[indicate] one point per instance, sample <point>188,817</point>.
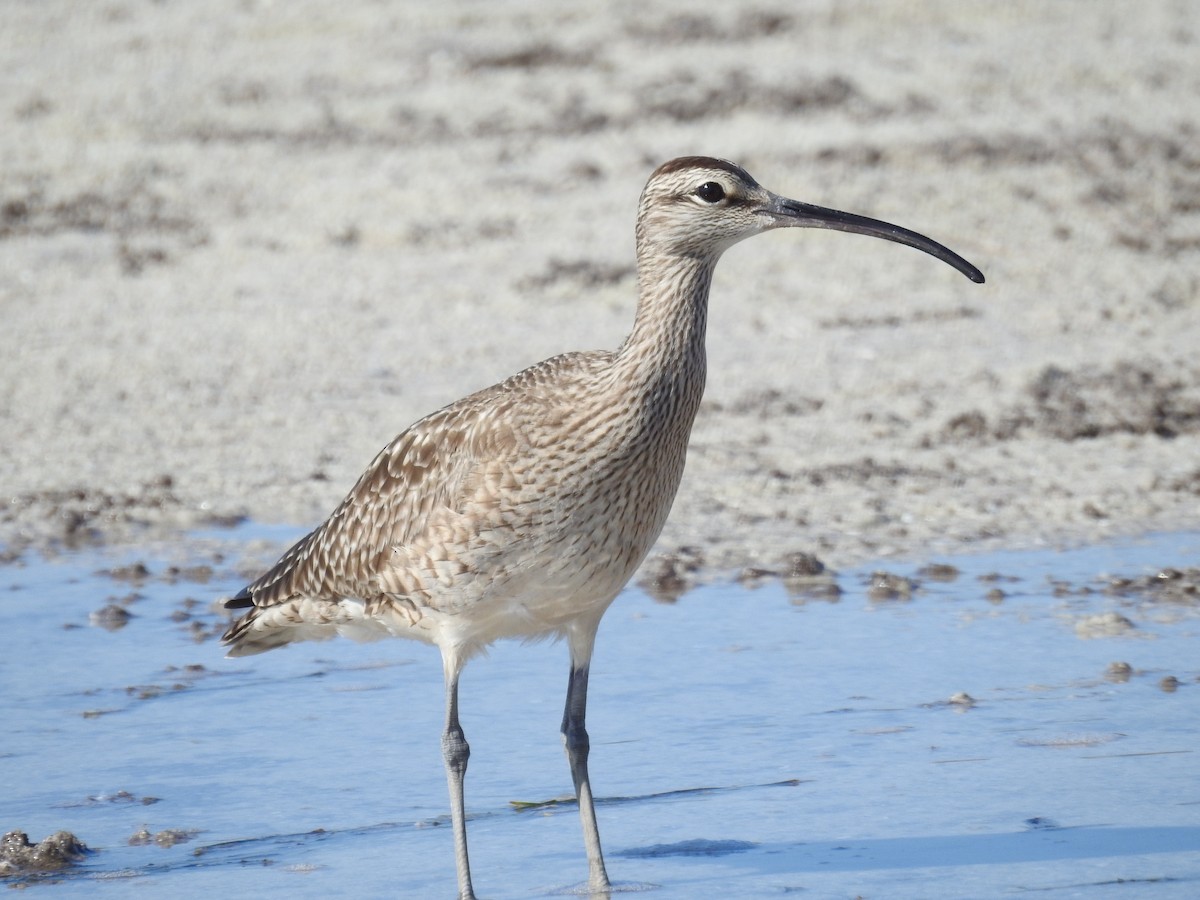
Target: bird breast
<point>552,521</point>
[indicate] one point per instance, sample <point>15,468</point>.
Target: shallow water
<point>745,743</point>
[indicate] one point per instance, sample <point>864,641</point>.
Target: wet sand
<point>243,244</point>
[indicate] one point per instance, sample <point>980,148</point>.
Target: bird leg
<point>456,752</point>
<point>575,739</point>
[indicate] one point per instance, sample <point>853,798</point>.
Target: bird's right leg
<point>455,752</point>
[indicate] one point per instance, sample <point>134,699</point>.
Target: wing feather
<point>428,470</point>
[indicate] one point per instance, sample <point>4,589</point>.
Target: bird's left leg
<point>575,739</point>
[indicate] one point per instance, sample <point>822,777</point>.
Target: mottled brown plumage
<point>523,509</point>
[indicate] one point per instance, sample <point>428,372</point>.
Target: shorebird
<point>522,510</point>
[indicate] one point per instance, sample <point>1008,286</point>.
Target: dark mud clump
<point>57,852</point>
<point>943,572</point>
<point>136,573</point>
<point>886,586</point>
<point>669,576</point>
<point>1118,672</point>
<point>807,578</point>
<point>166,838</point>
<point>1167,585</point>
<point>110,617</point>
<point>804,578</point>
<point>1126,398</point>
<point>1090,402</point>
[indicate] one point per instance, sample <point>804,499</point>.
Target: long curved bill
<point>805,215</point>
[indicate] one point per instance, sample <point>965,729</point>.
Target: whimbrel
<point>523,509</point>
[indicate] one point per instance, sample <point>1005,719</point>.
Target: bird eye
<point>710,192</point>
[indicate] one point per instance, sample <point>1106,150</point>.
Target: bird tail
<point>264,628</point>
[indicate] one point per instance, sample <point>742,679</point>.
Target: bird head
<point>697,206</point>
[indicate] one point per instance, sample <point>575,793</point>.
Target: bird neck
<point>664,353</point>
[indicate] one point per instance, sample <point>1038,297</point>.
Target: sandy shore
<point>242,244</point>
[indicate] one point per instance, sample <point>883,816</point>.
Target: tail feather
<point>264,628</point>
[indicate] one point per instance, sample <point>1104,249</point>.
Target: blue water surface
<point>745,742</point>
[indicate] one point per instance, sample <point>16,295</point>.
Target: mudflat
<point>243,244</point>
